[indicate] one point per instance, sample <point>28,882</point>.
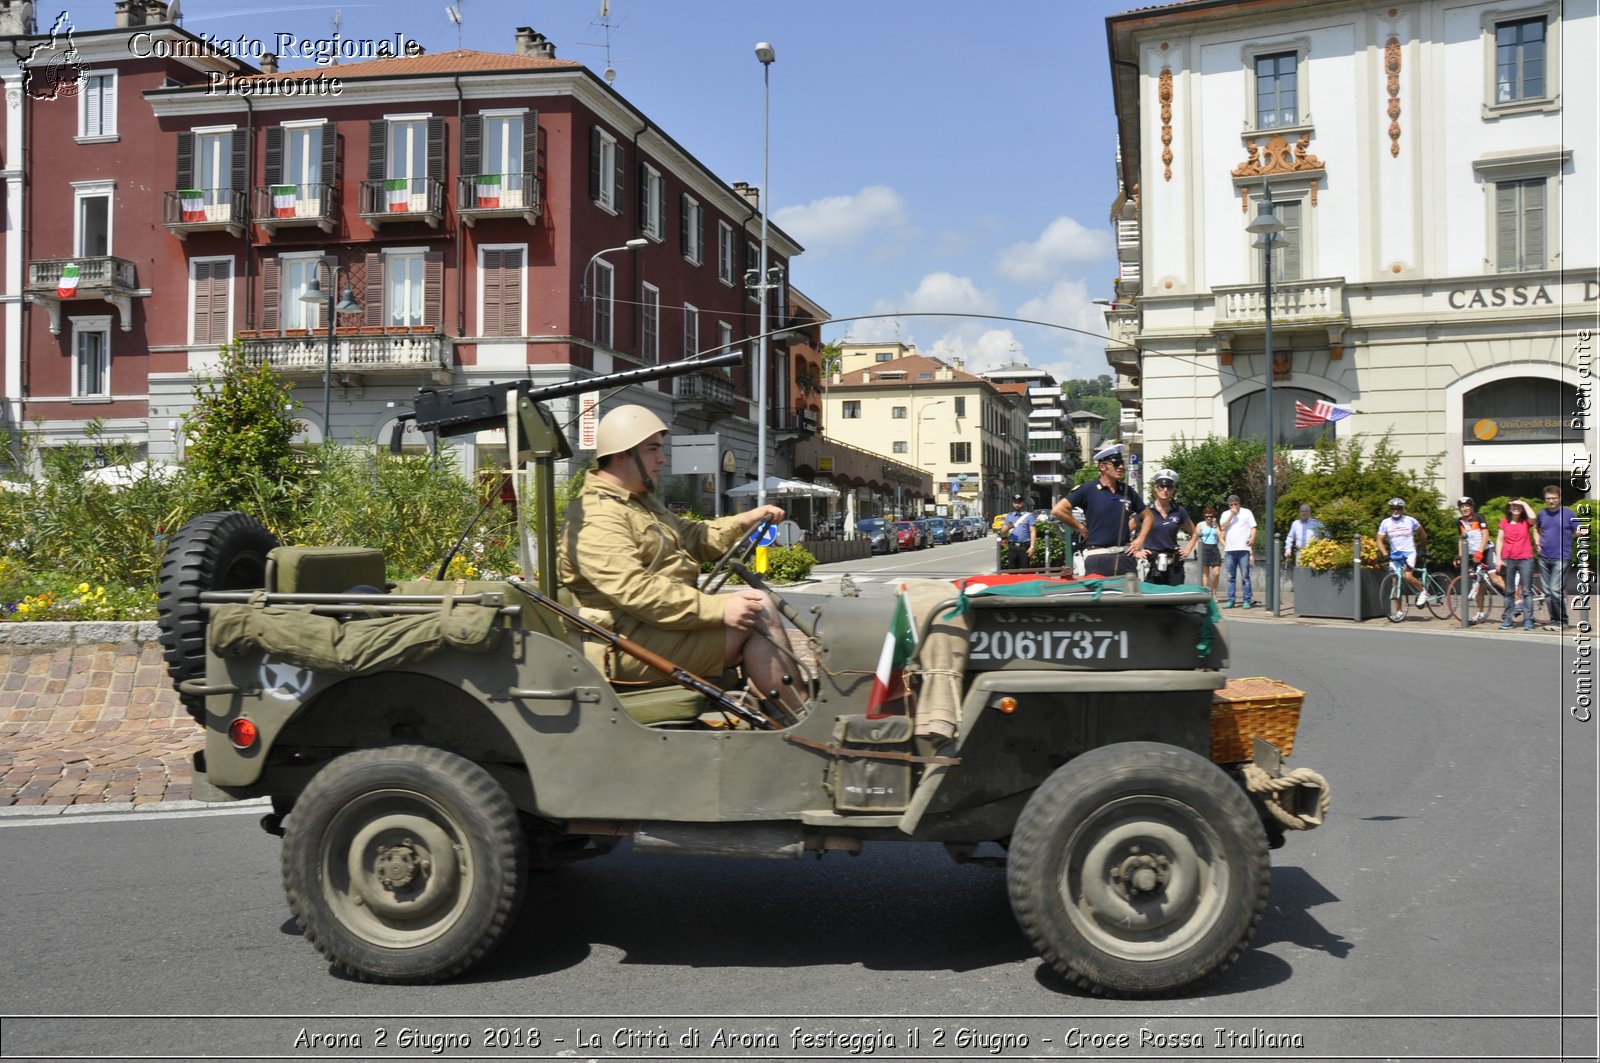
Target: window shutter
<point>532,145</point>
<point>660,193</point>
<point>374,286</point>
<point>1505,226</point>
<point>511,293</point>
<point>1533,227</point>
<point>91,107</point>
<point>202,302</point>
<point>436,149</point>
<point>683,226</point>
<point>594,163</point>
<point>108,105</point>
<point>377,145</point>
<point>644,196</point>
<point>621,179</point>
<point>185,160</point>
<point>493,295</point>
<point>330,163</point>
<point>274,156</point>
<point>269,293</point>
<point>240,146</point>
<point>433,288</point>
<point>471,145</point>
<point>1291,249</point>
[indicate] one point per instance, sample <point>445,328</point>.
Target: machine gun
<point>519,407</point>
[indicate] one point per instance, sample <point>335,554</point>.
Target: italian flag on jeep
<point>899,645</point>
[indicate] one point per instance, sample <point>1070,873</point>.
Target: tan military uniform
<point>632,566</point>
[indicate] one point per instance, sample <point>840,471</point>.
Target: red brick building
<point>490,215</point>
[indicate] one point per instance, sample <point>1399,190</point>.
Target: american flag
<point>1322,413</point>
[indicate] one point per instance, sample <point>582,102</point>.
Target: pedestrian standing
<point>1020,532</point>
<point>1210,550</point>
<point>1514,548</point>
<point>1557,525</point>
<point>1108,506</point>
<point>1168,518</point>
<point>1238,527</point>
<point>1302,533</point>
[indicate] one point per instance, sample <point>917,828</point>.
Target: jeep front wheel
<point>1138,869</point>
<point>404,864</point>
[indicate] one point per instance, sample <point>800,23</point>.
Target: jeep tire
<point>1138,869</point>
<point>404,864</point>
<point>224,551</point>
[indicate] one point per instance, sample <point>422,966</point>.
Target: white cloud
<point>1063,241</point>
<point>843,221</point>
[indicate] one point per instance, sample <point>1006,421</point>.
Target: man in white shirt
<point>1302,533</point>
<point>1238,527</point>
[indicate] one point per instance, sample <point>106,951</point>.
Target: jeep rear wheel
<point>404,864</point>
<point>224,551</point>
<point>1138,869</point>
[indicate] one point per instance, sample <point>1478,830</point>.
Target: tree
<point>240,431</point>
<point>1214,468</point>
<point>832,355</point>
<point>1349,490</point>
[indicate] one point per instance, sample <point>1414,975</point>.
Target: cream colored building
<point>1435,166</point>
<point>969,434</point>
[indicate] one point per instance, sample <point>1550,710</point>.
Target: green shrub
<point>240,434</point>
<point>1349,489</point>
<point>789,564</point>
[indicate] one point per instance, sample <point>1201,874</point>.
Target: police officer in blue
<point>1108,506</point>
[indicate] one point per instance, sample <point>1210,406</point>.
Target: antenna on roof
<point>453,13</point>
<point>338,21</point>
<point>606,28</point>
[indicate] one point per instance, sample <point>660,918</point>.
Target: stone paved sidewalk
<point>89,724</point>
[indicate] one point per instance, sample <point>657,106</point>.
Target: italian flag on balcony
<point>488,191</point>
<point>193,202</point>
<point>67,286</point>
<point>398,191</point>
<point>283,201</point>
<point>899,645</point>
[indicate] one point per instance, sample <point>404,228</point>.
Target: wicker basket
<point>1256,707</point>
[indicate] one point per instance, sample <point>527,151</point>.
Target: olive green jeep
<point>427,745</point>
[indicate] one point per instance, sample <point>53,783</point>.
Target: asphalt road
<point>1446,910</point>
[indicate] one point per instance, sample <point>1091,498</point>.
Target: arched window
<point>1247,417</point>
<point>1521,410</point>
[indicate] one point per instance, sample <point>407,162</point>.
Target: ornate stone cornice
<point>1275,159</point>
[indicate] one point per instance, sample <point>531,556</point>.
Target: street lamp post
<point>347,305</point>
<point>1266,227</point>
<point>583,280</point>
<point>765,55</point>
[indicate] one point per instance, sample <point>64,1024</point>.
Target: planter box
<point>1332,594</point>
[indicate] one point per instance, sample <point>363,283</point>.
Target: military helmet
<point>625,428</point>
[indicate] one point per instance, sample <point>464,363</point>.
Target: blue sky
<point>932,155</point>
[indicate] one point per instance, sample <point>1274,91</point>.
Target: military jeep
<point>427,745</point>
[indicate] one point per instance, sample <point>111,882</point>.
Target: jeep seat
<point>669,704</point>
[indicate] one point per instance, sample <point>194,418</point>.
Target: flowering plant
<point>1326,555</point>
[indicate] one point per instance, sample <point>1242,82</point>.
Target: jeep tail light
<point>242,733</point>
<point>1007,705</point>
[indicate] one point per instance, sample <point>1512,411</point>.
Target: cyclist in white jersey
<point>1403,537</point>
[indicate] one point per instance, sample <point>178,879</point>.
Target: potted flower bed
<point>1325,580</point>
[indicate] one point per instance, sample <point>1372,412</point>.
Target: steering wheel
<point>788,612</point>
<point>740,551</point>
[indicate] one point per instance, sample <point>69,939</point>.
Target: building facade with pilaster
<point>1434,167</point>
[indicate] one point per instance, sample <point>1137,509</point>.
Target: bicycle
<point>1482,583</point>
<point>1396,592</point>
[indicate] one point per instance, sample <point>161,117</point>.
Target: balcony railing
<point>1127,239</point>
<point>100,277</point>
<point>707,391</point>
<point>496,195</point>
<point>1308,302</point>
<point>355,352</point>
<point>287,206</point>
<point>795,420</point>
<point>95,276</point>
<point>403,199</point>
<point>198,210</point>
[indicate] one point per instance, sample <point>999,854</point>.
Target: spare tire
<point>224,551</point>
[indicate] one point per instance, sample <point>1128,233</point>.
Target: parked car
<point>925,530</point>
<point>907,535</point>
<point>972,527</point>
<point>939,530</point>
<point>999,522</point>
<point>881,533</point>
